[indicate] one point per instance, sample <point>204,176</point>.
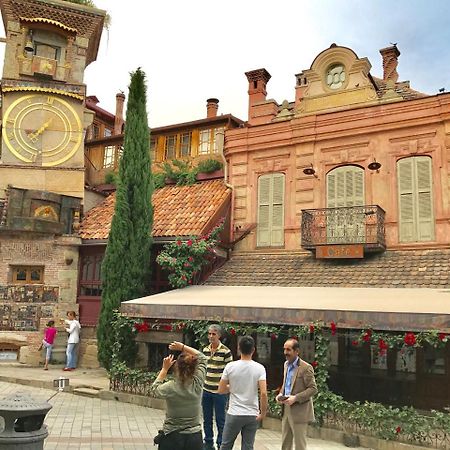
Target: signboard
<point>340,251</point>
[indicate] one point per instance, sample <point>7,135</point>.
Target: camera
<point>159,437</point>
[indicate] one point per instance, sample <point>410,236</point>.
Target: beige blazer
<point>304,388</point>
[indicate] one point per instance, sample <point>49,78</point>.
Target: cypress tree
<point>126,266</point>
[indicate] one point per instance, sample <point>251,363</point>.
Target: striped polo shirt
<point>217,360</point>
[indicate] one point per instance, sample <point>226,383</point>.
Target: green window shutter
<point>270,230</point>
<point>264,210</point>
<point>345,187</point>
<point>405,176</point>
<point>415,199</point>
<point>277,235</point>
<point>425,216</point>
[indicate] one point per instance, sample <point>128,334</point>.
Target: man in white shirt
<point>72,341</point>
<point>242,379</point>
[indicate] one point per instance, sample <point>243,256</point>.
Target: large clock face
<point>42,129</point>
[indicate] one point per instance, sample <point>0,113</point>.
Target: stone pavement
<point>77,422</point>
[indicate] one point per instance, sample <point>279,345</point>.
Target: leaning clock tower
<point>48,43</point>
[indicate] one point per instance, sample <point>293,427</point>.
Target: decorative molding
<point>48,21</point>
<point>40,89</point>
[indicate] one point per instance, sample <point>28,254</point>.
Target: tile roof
<point>393,269</point>
<point>178,211</point>
<point>401,88</point>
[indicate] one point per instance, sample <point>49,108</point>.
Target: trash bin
<point>23,427</point>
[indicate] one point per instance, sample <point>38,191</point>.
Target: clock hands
<point>34,136</point>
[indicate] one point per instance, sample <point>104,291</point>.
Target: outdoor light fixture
<point>309,171</point>
<point>374,165</point>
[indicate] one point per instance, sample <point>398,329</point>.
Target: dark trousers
<point>246,425</point>
<point>213,403</point>
<point>182,441</point>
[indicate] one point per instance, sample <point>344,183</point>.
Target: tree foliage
<point>126,267</point>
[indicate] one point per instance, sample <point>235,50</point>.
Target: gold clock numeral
<point>10,121</point>
<point>50,100</point>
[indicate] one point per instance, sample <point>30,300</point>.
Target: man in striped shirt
<point>218,357</point>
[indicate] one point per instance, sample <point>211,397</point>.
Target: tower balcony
<point>344,232</point>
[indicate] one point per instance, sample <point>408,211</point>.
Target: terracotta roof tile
<point>393,269</point>
<point>178,211</point>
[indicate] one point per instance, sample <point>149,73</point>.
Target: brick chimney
<point>118,121</point>
<point>212,105</point>
<point>257,82</point>
<point>390,62</point>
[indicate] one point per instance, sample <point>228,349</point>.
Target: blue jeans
<point>213,403</point>
<point>246,425</point>
<point>71,354</point>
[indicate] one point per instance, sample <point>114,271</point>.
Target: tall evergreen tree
<point>126,267</point>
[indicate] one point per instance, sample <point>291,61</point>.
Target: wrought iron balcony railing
<point>345,225</point>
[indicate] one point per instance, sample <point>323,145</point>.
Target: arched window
<point>416,217</point>
<point>270,231</point>
<point>345,187</point>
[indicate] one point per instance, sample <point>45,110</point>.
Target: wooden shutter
<point>416,218</point>
<point>264,210</point>
<point>277,238</point>
<point>345,187</point>
<point>270,231</point>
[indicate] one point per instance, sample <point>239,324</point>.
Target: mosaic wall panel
<point>22,307</point>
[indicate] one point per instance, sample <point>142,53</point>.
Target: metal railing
<point>344,225</point>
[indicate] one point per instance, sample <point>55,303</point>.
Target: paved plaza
<point>77,422</point>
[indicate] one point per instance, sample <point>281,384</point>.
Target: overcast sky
<point>193,50</point>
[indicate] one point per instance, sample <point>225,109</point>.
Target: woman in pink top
<point>47,342</point>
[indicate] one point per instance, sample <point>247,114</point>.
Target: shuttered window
<point>270,231</point>
<point>345,187</point>
<point>416,218</point>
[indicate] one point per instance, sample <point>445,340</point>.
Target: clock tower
<point>49,43</point>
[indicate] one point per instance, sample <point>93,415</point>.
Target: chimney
<point>118,121</point>
<point>212,105</point>
<point>390,62</point>
<point>257,82</point>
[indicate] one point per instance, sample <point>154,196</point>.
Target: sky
<point>194,50</point>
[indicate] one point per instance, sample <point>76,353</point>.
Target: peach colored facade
<point>341,116</point>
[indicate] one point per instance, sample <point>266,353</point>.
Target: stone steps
<point>86,392</point>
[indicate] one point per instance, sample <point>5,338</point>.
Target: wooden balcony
<point>353,226</point>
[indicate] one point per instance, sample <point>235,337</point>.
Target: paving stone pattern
<point>77,422</point>
<point>391,269</point>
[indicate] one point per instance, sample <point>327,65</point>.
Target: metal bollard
<point>24,427</point>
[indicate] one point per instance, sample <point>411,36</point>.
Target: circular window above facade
<point>335,76</point>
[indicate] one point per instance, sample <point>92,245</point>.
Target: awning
<point>380,308</point>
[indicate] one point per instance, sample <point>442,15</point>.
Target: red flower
<point>233,331</point>
<point>273,336</point>
<point>168,327</point>
<point>178,242</point>
<point>189,243</point>
<point>382,346</point>
<point>333,328</point>
<point>311,328</point>
<point>398,430</point>
<point>183,277</point>
<point>366,337</point>
<point>355,343</point>
<point>190,282</point>
<point>190,259</point>
<point>186,264</point>
<point>314,364</point>
<point>442,336</point>
<point>410,339</point>
<point>141,327</point>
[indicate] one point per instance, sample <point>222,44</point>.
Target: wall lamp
<point>374,165</point>
<point>310,171</point>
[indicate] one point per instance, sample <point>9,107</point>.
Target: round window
<point>336,76</point>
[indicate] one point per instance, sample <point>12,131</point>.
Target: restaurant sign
<point>340,251</point>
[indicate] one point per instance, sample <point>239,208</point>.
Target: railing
<point>345,225</point>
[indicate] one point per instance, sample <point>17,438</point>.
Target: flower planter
<point>203,176</point>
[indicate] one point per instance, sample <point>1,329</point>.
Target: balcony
<point>359,227</point>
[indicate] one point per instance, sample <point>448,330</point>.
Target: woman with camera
<point>182,427</point>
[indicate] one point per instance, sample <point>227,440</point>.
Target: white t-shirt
<point>74,331</point>
<point>243,377</point>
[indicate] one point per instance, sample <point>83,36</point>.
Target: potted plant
<point>209,169</point>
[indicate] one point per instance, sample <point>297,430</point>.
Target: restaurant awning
<point>380,308</point>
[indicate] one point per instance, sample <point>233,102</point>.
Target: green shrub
<point>209,165</point>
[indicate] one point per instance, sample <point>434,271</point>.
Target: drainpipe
<point>220,136</point>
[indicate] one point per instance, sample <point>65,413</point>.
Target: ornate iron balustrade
<point>346,225</point>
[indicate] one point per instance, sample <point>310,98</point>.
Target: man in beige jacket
<point>299,386</point>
